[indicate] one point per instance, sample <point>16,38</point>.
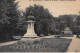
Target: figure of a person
<point>77,35</point>
<point>77,32</point>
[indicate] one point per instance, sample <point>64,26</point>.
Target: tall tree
<point>9,16</point>
<point>12,12</point>
<point>66,20</point>
<point>42,17</point>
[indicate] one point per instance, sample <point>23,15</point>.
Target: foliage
<point>67,21</point>
<point>12,20</point>
<point>9,17</point>
<point>43,19</point>
<point>77,24</point>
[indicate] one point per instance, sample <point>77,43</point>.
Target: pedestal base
<point>30,36</point>
<point>30,30</point>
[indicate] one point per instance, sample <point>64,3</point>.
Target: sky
<point>56,8</point>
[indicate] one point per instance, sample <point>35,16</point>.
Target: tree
<point>3,18</point>
<point>43,18</point>
<point>77,24</point>
<point>66,21</point>
<point>9,17</point>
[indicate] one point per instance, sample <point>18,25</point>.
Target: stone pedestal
<point>30,30</point>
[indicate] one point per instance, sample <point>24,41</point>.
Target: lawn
<point>64,35</point>
<point>67,35</point>
<point>45,45</point>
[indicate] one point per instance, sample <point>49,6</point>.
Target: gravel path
<point>75,45</point>
<point>7,43</point>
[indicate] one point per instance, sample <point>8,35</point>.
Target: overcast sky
<point>56,8</point>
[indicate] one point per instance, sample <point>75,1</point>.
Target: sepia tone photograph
<point>39,26</point>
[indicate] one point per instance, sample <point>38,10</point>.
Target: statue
<point>30,27</point>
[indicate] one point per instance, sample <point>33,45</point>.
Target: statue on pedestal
<point>30,27</point>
